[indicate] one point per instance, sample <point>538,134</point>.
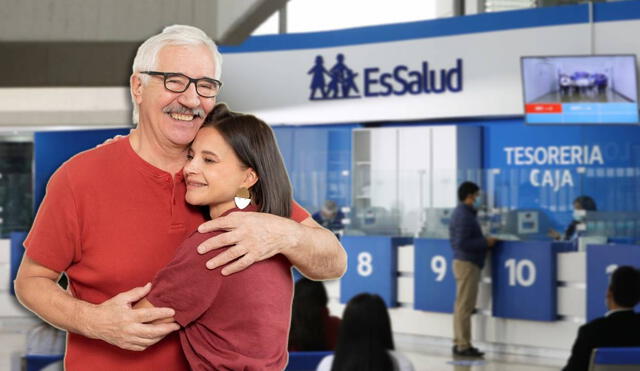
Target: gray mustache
<point>179,109</point>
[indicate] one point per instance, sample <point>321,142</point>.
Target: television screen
<point>594,89</point>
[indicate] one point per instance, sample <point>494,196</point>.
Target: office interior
<point>433,101</point>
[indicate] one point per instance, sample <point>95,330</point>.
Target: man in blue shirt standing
<point>469,252</point>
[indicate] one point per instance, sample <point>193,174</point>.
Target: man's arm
<point>315,251</point>
<point>113,321</point>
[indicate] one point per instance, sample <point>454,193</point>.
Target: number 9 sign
<point>434,285</point>
<point>439,267</point>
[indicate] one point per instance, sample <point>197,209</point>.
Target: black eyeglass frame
<point>191,80</point>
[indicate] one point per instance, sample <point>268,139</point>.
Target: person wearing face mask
<point>581,205</point>
<point>469,252</point>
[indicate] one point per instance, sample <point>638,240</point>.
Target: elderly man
<point>114,215</point>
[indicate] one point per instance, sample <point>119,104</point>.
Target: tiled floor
<point>434,354</point>
<point>439,362</point>
<point>12,345</point>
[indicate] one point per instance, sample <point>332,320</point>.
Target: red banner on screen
<point>543,108</point>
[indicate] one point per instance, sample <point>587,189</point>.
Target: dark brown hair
<point>365,336</point>
<point>625,286</point>
<point>255,145</point>
<point>308,312</point>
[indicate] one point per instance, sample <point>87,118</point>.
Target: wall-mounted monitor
<point>589,89</point>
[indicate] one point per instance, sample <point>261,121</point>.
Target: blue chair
<point>615,359</point>
<point>36,362</point>
<point>305,361</point>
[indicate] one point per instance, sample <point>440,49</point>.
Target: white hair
<point>146,57</point>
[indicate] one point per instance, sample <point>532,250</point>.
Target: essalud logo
<point>339,82</point>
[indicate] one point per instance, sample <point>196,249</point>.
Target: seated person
<point>365,341</point>
<point>330,217</point>
<point>620,327</point>
<point>585,203</point>
<point>312,327</point>
<point>565,84</point>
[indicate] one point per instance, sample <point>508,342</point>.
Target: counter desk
<point>533,294</point>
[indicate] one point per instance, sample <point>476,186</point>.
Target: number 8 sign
<point>372,267</point>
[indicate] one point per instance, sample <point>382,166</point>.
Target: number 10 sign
<point>524,280</point>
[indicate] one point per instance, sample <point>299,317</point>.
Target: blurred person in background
<point>330,217</point>
<point>312,326</point>
<point>581,205</point>
<point>365,342</point>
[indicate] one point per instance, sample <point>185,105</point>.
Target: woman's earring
<point>243,198</point>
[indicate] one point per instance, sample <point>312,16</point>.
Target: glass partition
<point>517,204</point>
<point>16,196</point>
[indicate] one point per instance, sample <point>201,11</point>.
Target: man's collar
<point>469,207</point>
<point>613,311</point>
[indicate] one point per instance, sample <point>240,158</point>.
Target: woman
<point>239,321</point>
<point>365,342</point>
<point>312,328</point>
<point>581,205</point>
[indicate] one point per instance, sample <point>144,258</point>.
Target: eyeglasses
<point>179,83</point>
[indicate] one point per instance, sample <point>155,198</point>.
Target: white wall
<point>610,39</point>
<point>491,75</point>
<point>625,79</point>
<point>413,168</point>
<point>74,107</point>
<point>539,78</point>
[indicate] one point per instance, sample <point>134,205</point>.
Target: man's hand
<point>253,237</point>
<point>115,322</point>
<point>491,241</point>
<point>554,234</point>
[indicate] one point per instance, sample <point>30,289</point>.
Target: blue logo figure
<point>317,81</point>
<point>348,84</point>
<point>341,83</point>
